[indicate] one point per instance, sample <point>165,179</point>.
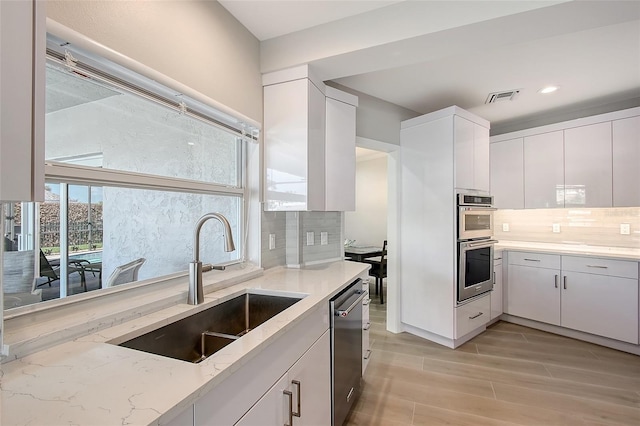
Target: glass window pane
<point>93,124</point>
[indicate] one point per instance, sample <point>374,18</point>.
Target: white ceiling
<point>427,55</point>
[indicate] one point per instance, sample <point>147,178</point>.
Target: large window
<point>131,166</point>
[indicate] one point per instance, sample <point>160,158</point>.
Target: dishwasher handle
<point>345,312</point>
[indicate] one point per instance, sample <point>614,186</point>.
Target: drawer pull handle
<point>368,354</point>
<point>565,282</point>
<point>289,395</point>
<point>476,316</point>
<point>297,384</point>
<point>366,326</point>
<point>532,260</point>
<point>597,266</point>
<point>497,258</point>
<point>555,280</point>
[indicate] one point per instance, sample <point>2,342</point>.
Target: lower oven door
<point>475,268</point>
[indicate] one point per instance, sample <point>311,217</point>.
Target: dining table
<point>360,253</point>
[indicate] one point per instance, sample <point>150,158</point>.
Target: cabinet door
<point>464,157</point>
<point>534,293</point>
<point>588,170</point>
<point>22,69</point>
<point>602,305</point>
<point>507,174</point>
<point>340,156</point>
<point>481,179</point>
<point>272,409</point>
<point>544,171</point>
<point>496,294</point>
<point>626,158</point>
<point>314,391</point>
<point>294,154</point>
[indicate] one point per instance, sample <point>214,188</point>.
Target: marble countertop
<point>88,381</point>
<point>621,253</point>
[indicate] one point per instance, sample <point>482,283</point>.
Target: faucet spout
<point>196,291</point>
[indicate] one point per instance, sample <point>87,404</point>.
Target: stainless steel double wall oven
<point>475,245</point>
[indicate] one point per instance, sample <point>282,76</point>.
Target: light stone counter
<point>620,253</point>
<point>89,381</point>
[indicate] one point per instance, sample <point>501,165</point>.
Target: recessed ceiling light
<point>190,143</point>
<point>548,89</point>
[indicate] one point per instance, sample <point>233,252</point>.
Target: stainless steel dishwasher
<point>346,350</point>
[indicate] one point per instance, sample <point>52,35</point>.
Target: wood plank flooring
<point>509,375</point>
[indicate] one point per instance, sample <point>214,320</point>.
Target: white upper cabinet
<point>507,174</point>
<point>626,162</point>
<point>587,162</point>
<point>588,166</point>
<point>481,170</point>
<point>544,171</point>
<point>22,108</point>
<point>471,155</point>
<point>340,152</point>
<point>309,144</point>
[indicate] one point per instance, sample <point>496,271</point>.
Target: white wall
<point>368,224</point>
<point>197,43</point>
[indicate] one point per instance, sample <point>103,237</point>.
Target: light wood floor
<point>507,375</point>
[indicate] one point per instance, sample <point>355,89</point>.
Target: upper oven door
<point>475,222</point>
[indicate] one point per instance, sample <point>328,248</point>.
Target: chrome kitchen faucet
<point>196,291</point>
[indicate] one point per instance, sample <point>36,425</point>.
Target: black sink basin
<point>200,335</point>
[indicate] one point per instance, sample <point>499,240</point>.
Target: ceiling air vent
<point>508,95</point>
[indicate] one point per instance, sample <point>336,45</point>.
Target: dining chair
<point>379,270</point>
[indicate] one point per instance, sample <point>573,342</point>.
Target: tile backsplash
<point>598,227</point>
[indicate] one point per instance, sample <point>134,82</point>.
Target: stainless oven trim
<point>465,293</point>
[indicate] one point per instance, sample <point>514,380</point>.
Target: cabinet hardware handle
<point>290,397</point>
<point>476,316</point>
<point>494,277</point>
<point>297,384</point>
<point>597,266</point>
<point>366,326</point>
<point>532,260</point>
<point>368,354</point>
<point>555,280</point>
<point>565,282</point>
<point>497,258</point>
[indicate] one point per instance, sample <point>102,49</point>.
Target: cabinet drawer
<point>599,266</point>
<point>472,315</point>
<point>537,260</point>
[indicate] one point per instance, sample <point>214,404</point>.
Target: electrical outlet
<point>272,241</point>
<point>324,238</point>
<point>505,227</point>
<point>556,227</point>
<point>310,238</point>
<point>625,229</point>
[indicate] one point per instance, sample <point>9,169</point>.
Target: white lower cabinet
<point>472,315</point>
<point>302,396</point>
<point>534,293</point>
<point>366,324</point>
<point>496,294</point>
<point>592,295</point>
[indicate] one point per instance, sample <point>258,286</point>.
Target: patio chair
<point>125,273</point>
<point>50,272</point>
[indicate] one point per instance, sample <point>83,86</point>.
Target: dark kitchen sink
<point>200,335</point>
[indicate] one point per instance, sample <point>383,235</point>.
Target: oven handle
<point>482,243</point>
